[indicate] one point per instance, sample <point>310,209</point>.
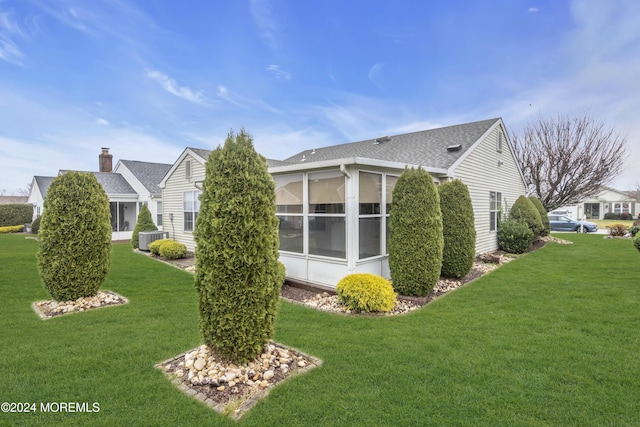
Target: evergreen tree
<point>75,237</point>
<point>415,241</point>
<point>143,223</point>
<point>524,211</point>
<point>546,227</point>
<point>238,275</point>
<point>458,229</point>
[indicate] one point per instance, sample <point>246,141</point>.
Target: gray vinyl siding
<point>481,173</point>
<point>172,197</point>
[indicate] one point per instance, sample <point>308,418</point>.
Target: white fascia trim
<point>351,161</point>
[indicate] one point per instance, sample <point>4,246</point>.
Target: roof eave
<point>363,161</point>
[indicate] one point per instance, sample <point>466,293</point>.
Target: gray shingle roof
<point>149,174</point>
<point>112,183</point>
<point>205,155</point>
<point>427,148</point>
<point>43,184</point>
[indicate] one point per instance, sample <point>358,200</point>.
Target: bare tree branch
<point>568,158</point>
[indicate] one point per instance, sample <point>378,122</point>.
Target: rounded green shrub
<point>238,275</point>
<point>143,223</point>
<point>524,211</point>
<point>636,241</point>
<point>74,236</point>
<point>35,226</point>
<point>173,250</point>
<point>634,229</point>
<point>544,217</point>
<point>611,215</point>
<point>15,214</point>
<point>514,237</point>
<point>154,247</point>
<point>415,241</point>
<point>458,229</point>
<point>366,292</point>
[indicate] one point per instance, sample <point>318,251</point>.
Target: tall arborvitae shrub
<point>143,223</point>
<point>458,229</point>
<point>415,241</point>
<point>238,275</point>
<point>75,237</point>
<point>524,211</point>
<point>546,227</point>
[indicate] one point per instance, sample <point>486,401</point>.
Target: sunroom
<point>334,217</point>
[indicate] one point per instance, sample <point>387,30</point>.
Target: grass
<point>548,339</point>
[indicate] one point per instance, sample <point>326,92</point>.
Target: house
<point>608,200</point>
<point>13,200</point>
<point>144,178</point>
<point>333,202</point>
<point>128,187</point>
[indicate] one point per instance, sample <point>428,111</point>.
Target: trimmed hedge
<point>458,229</point>
<point>611,215</point>
<point>514,237</point>
<point>154,247</point>
<point>173,250</point>
<point>415,241</point>
<point>11,229</point>
<point>143,223</point>
<point>238,276</point>
<point>366,292</point>
<point>19,214</point>
<point>75,237</point>
<point>524,211</point>
<point>546,227</point>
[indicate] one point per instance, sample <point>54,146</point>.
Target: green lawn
<point>551,338</point>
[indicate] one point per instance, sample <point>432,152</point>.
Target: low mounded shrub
<point>173,250</point>
<point>611,215</point>
<point>636,241</point>
<point>633,230</point>
<point>366,292</point>
<point>617,230</point>
<point>626,216</point>
<point>154,247</point>
<point>514,237</point>
<point>11,229</point>
<point>35,226</point>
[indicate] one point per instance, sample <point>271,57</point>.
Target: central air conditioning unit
<point>146,237</point>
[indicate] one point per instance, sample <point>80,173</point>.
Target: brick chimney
<point>106,160</point>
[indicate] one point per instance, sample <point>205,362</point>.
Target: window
<point>499,144</point>
<point>327,221</point>
<point>289,204</point>
<point>390,182</point>
<point>159,214</point>
<point>191,206</point>
<point>495,208</point>
<point>370,214</point>
<point>187,169</point>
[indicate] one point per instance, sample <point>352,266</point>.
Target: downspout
<point>343,169</point>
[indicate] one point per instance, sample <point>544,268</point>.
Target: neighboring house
<point>144,177</point>
<point>37,193</point>
<point>132,184</point>
<point>333,202</point>
<point>608,200</point>
<point>13,200</point>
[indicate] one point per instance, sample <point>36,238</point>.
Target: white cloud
<point>101,121</point>
<point>280,74</point>
<point>533,10</point>
<point>242,101</point>
<point>171,86</point>
<point>9,50</point>
<point>263,16</point>
<point>374,74</point>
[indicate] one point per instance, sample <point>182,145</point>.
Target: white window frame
<point>192,208</point>
<point>495,208</point>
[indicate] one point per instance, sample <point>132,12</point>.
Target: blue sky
<point>148,78</point>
